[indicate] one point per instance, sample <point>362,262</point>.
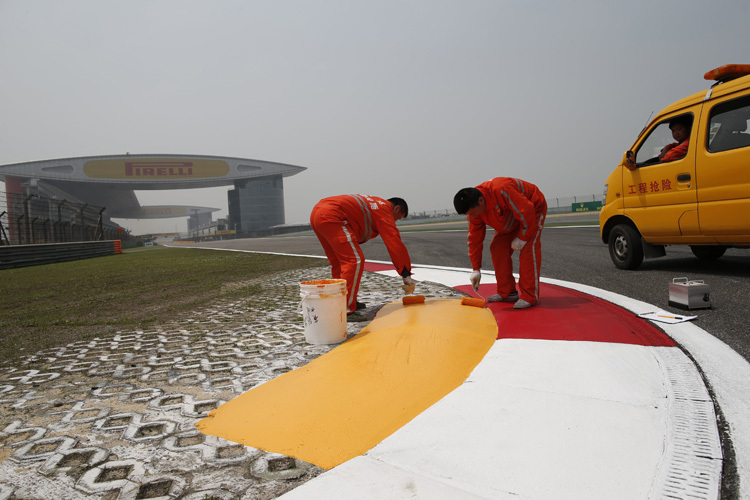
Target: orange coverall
<point>676,150</point>
<point>515,209</point>
<point>344,222</point>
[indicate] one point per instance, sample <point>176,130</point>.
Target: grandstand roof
<point>109,181</point>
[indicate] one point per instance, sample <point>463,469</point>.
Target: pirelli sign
<point>163,211</point>
<point>149,169</point>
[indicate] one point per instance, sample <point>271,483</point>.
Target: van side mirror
<point>630,160</point>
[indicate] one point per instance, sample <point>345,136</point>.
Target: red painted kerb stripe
<point>565,314</point>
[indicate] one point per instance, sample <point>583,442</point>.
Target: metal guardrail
<point>12,256</point>
<point>556,205</point>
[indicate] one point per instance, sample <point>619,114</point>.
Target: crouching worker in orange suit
<point>343,223</point>
<point>516,209</point>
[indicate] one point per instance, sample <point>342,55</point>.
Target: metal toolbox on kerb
<point>687,294</point>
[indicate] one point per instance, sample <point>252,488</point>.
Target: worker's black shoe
<point>361,305</point>
<point>355,317</point>
<point>522,304</point>
<point>512,297</point>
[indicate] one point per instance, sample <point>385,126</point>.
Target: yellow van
<point>686,179</point>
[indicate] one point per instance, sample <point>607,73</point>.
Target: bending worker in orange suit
<point>516,209</point>
<point>342,223</point>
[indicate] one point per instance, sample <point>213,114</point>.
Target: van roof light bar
<point>728,72</point>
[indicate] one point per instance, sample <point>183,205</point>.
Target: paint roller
<point>410,298</point>
<point>472,301</point>
<point>413,299</point>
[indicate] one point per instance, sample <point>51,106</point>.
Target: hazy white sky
<point>410,98</point>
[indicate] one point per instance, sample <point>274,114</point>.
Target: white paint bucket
<point>324,310</point>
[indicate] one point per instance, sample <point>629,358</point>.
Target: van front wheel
<point>625,247</point>
<point>708,252</point>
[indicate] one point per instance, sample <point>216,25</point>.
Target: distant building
<point>214,230</point>
<point>255,203</point>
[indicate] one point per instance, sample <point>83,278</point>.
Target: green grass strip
<point>55,304</point>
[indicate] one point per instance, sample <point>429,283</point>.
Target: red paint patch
<point>566,314</point>
<point>374,267</point>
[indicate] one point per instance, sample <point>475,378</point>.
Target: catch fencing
<point>32,220</point>
<point>557,205</point>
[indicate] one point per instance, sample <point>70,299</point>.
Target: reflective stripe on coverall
<point>342,223</point>
<point>514,209</point>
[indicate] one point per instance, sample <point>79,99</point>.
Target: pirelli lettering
<point>163,211</point>
<point>178,169</point>
<point>155,168</point>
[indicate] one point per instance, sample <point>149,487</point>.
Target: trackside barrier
<point>35,255</point>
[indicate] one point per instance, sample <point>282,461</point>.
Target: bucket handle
<point>685,281</point>
<point>308,295</point>
<point>299,306</point>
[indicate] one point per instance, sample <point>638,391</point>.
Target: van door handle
<point>683,177</point>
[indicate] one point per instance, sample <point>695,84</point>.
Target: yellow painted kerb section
<point>345,402</point>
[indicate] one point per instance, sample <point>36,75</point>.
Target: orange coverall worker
<point>675,151</point>
<point>515,209</point>
<point>344,222</point>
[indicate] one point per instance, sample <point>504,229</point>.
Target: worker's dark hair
<point>400,202</point>
<point>466,199</point>
<point>684,120</point>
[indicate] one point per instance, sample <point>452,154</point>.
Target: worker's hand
<point>409,285</point>
<point>517,244</point>
<point>666,149</point>
<point>475,277</point>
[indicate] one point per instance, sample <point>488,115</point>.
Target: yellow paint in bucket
<point>324,310</point>
<point>345,402</point>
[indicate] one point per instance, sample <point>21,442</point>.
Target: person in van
<point>680,128</point>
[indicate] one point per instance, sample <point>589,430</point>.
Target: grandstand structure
<point>255,203</point>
